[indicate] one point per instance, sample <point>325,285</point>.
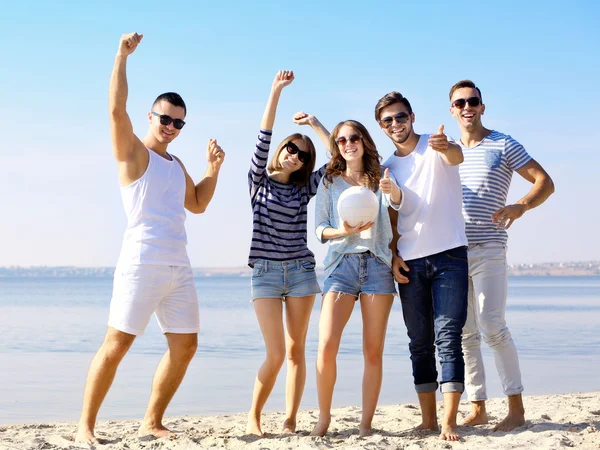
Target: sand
<point>553,422</point>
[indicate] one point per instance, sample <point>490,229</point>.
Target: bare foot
<point>321,427</point>
<point>364,431</point>
<point>85,438</point>
<point>427,426</point>
<point>449,432</point>
<point>289,426</point>
<point>153,431</point>
<point>477,417</point>
<point>511,421</point>
<point>253,427</point>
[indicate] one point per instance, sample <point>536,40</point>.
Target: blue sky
<point>536,63</point>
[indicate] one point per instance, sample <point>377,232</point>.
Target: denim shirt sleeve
<point>322,208</point>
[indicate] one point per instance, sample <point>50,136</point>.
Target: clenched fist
<point>129,43</point>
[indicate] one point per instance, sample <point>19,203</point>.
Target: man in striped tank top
<point>153,274</point>
<point>490,159</point>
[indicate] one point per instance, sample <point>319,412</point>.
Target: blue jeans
<point>434,306</point>
<point>274,279</point>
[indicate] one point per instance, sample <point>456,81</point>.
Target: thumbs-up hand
<point>386,184</point>
<point>439,141</point>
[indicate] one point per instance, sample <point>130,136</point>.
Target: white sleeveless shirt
<point>154,205</point>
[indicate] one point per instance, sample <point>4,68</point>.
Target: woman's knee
<point>373,355</point>
<point>296,353</point>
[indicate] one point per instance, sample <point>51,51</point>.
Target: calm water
<point>52,327</point>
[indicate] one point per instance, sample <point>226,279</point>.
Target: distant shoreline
<point>554,269</point>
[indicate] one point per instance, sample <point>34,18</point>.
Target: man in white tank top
<point>153,274</point>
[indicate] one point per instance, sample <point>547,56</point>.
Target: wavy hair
<point>371,159</point>
<point>299,177</point>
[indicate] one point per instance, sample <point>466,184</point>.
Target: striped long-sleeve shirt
<point>485,176</point>
<point>279,210</point>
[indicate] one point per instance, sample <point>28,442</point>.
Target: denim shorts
<point>273,279</point>
<point>361,273</point>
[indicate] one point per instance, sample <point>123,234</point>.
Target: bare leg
<point>269,314</point>
<point>167,378</point>
<point>428,411</point>
<point>375,313</point>
<point>335,313</point>
<point>516,414</point>
<point>451,402</point>
<point>100,377</point>
<point>478,414</point>
<point>297,313</point>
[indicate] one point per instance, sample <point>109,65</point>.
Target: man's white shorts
<point>167,291</point>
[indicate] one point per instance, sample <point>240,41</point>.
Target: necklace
<point>353,180</point>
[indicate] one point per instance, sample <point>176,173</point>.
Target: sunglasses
<point>461,102</point>
<point>399,118</point>
<point>293,149</point>
<point>166,120</point>
<point>343,140</point>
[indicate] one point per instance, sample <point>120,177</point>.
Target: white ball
<point>358,204</point>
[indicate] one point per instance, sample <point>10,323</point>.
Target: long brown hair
<point>299,177</point>
<point>371,159</point>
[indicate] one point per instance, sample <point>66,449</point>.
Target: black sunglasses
<point>343,140</point>
<point>166,120</point>
<point>293,149</point>
<point>389,120</point>
<point>461,102</point>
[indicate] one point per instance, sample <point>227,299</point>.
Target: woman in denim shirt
<point>357,267</point>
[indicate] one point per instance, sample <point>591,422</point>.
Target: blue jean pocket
<point>493,158</point>
<point>258,270</point>
<point>307,266</point>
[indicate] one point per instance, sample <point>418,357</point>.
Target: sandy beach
<point>554,421</point>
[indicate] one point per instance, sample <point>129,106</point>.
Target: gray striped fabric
<point>279,210</point>
<point>485,176</point>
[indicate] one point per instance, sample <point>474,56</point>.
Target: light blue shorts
<point>361,273</point>
<point>272,279</point>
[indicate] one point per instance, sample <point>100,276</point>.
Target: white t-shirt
<point>430,218</point>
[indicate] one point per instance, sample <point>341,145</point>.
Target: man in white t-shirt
<point>491,158</point>
<point>153,274</point>
<point>429,257</point>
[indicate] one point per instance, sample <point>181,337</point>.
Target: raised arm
<point>301,118</point>
<point>260,156</point>
<point>198,196</point>
<point>121,131</point>
<point>282,79</point>
<point>450,152</point>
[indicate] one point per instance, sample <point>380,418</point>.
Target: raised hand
<point>129,43</point>
<point>386,184</point>
<point>505,217</point>
<point>214,154</point>
<point>301,118</point>
<point>282,79</point>
<point>439,141</point>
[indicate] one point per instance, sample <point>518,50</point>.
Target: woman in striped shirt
<point>283,266</point>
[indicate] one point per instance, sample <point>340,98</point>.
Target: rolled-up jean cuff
<point>426,387</point>
<point>452,386</point>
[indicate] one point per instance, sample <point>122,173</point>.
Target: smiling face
<point>165,134</point>
<point>289,162</point>
<point>350,143</point>
<point>401,128</point>
<point>468,117</point>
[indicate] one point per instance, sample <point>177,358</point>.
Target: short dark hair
<point>390,99</point>
<point>173,98</point>
<point>465,84</point>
